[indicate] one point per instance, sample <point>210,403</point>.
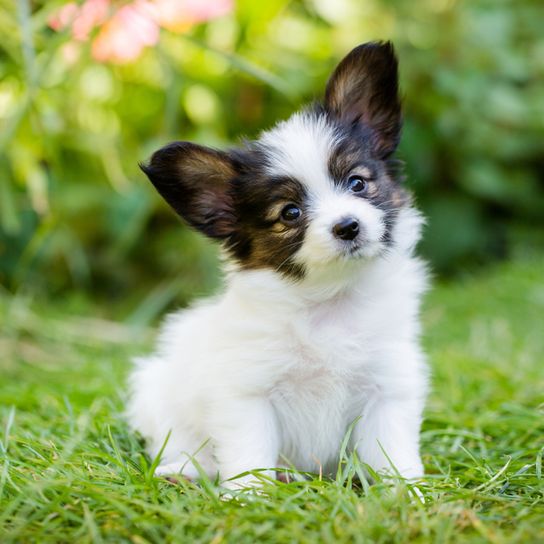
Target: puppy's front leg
<point>386,437</point>
<point>245,437</point>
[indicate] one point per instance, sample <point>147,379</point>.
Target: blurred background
<point>90,88</point>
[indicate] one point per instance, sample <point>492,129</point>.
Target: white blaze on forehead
<point>300,147</point>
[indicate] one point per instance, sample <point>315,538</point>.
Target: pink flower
<point>64,17</point>
<point>123,31</point>
<point>180,15</point>
<point>124,36</point>
<point>82,19</point>
<point>93,13</point>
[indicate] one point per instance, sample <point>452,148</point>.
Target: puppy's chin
<point>336,254</point>
<point>341,270</point>
<point>363,250</point>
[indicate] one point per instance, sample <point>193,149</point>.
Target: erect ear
<point>364,89</point>
<point>195,181</point>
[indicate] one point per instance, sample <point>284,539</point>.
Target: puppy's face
<point>318,189</point>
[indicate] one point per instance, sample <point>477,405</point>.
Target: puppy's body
<point>271,374</point>
<point>317,327</point>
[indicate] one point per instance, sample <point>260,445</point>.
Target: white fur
<point>273,371</point>
<point>300,147</point>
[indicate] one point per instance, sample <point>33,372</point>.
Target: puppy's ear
<point>364,89</point>
<point>195,181</point>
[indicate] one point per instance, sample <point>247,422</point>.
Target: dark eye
<point>291,213</point>
<point>357,184</point>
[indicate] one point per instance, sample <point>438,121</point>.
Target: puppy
<point>317,326</point>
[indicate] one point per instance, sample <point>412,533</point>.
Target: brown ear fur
<point>195,181</point>
<point>364,89</point>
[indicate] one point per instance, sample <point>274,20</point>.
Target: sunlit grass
<point>71,472</point>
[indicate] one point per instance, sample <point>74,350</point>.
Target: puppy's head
<point>318,189</point>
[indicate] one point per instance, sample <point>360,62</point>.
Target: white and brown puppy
<point>317,326</point>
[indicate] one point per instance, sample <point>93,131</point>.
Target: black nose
<point>346,229</point>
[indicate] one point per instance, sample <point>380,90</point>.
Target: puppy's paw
<point>416,493</point>
<point>412,486</point>
<point>241,488</point>
<point>169,469</point>
<point>176,470</point>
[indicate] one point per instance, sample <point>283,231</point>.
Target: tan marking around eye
<point>368,176</point>
<point>280,228</point>
<point>273,213</point>
<point>362,171</point>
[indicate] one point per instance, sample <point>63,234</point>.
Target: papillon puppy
<point>316,331</point>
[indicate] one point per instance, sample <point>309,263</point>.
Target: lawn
<point>70,471</point>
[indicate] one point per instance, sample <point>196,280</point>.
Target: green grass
<point>71,472</point>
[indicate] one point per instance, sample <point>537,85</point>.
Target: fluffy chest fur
<point>318,362</point>
<point>322,388</point>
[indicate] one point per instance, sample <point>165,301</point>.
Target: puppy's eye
<point>291,213</point>
<point>357,184</point>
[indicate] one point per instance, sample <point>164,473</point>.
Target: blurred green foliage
<point>75,212</point>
